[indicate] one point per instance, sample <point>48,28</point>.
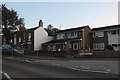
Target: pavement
<point>66,58</point>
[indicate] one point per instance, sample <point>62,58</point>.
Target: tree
<point>10,22</point>
<point>51,30</point>
<point>49,27</point>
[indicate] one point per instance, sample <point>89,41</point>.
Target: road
<point>25,69</point>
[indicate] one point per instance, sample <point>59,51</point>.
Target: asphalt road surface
<point>12,69</point>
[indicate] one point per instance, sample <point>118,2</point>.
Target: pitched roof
<point>106,27</point>
<point>60,41</point>
<point>56,41</point>
<point>72,29</point>
<point>31,29</point>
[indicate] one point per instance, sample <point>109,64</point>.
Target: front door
<point>75,46</point>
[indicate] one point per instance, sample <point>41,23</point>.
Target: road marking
<point>85,70</point>
<point>28,61</point>
<point>8,77</point>
<point>99,71</point>
<point>108,70</point>
<point>73,68</point>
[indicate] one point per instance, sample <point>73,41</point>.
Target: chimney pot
<point>40,23</point>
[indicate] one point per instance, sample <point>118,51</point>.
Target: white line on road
<point>73,68</point>
<point>28,61</point>
<point>99,71</point>
<point>7,76</point>
<point>85,70</point>
<point>108,70</point>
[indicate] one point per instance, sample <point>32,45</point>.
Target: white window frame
<point>98,46</point>
<point>49,48</point>
<point>74,46</point>
<point>60,36</point>
<point>72,35</point>
<point>54,48</point>
<point>29,36</point>
<point>98,34</point>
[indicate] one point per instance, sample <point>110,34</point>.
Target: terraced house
<point>69,40</point>
<point>104,36</point>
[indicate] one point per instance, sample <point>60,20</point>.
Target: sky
<point>64,15</point>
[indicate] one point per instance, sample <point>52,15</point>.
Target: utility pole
<point>60,27</point>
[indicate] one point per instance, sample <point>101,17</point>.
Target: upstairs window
<point>118,45</point>
<point>113,32</point>
<point>29,36</point>
<point>72,35</point>
<point>118,31</point>
<point>98,34</point>
<point>60,36</point>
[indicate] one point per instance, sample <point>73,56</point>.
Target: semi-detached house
<point>104,36</point>
<point>69,40</point>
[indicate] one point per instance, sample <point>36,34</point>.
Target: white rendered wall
<point>40,37</point>
<point>114,39</point>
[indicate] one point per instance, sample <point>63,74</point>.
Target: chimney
<point>40,23</point>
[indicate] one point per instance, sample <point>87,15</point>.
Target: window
<point>72,35</point>
<point>54,48</point>
<point>118,45</point>
<point>98,46</point>
<point>118,31</point>
<point>60,36</point>
<point>98,34</point>
<point>70,46</point>
<point>29,36</point>
<point>51,48</point>
<point>75,46</point>
<point>114,45</point>
<point>48,47</point>
<point>113,32</point>
<point>109,32</point>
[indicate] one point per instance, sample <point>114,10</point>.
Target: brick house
<point>31,38</point>
<point>104,36</point>
<point>69,40</point>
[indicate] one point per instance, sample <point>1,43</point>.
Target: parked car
<point>10,49</point>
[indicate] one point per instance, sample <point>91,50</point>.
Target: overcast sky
<point>67,14</point>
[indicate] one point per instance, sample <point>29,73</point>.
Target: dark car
<point>10,49</point>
